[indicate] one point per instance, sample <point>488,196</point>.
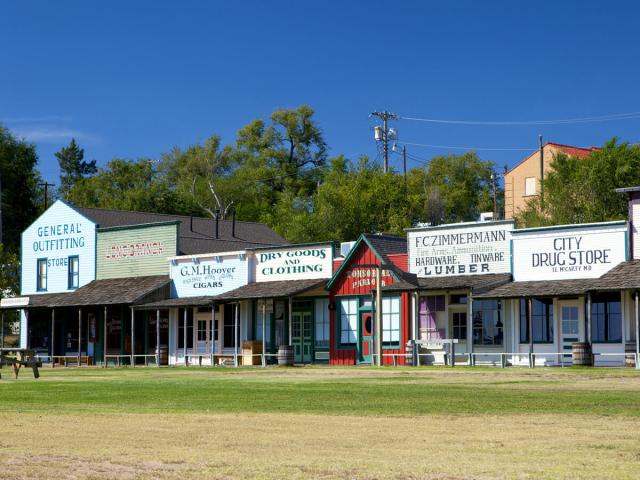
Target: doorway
<point>366,337</point>
<point>569,328</point>
<point>302,336</point>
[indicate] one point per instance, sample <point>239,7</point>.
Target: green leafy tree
<point>19,179</point>
<point>9,273</point>
<point>583,190</point>
<point>73,167</point>
<point>452,188</point>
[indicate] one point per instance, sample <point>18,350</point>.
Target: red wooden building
<point>351,299</point>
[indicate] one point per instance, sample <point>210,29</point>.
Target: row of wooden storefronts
<point>469,293</point>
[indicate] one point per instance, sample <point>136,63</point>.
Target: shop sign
<point>460,250</point>
<point>139,249</point>
<point>294,263</point>
<point>366,277</point>
<point>557,254</point>
<point>208,276</point>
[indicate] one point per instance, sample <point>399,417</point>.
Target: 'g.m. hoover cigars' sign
<point>208,275</point>
<point>467,249</point>
<point>294,263</point>
<point>565,253</point>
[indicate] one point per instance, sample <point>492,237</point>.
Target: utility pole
<point>385,116</point>
<point>46,186</point>
<point>495,200</point>
<point>541,170</point>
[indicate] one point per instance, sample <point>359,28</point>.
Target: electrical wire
<point>453,147</point>
<point>599,118</point>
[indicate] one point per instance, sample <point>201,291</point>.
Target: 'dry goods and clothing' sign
<point>295,263</point>
<point>208,275</point>
<point>460,250</point>
<point>561,253</point>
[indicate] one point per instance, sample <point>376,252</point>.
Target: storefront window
<point>348,312</point>
<point>260,309</point>
<point>459,324</point>
<point>10,330</point>
<point>542,315</point>
<point>428,308</point>
<point>391,320</point>
<point>487,322</point>
<point>322,323</point>
<point>606,318</point>
<point>189,328</point>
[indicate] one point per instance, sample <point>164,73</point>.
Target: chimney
<point>217,223</point>
<point>233,223</point>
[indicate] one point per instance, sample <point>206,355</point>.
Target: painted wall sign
<point>467,249</point>
<point>202,276</point>
<point>136,251</point>
<point>57,235</point>
<point>565,253</point>
<point>366,277</point>
<point>294,263</point>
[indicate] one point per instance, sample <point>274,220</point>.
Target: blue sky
<point>133,79</point>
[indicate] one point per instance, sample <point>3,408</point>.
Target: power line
<point>428,145</point>
<point>385,116</point>
<point>593,119</point>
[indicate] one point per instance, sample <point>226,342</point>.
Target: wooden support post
<point>79,336</point>
<point>587,335</point>
<point>184,336</point>
<point>378,329</point>
<point>532,362</point>
<point>53,336</point>
<point>290,320</point>
<point>264,340</point>
<point>104,343</point>
<point>158,337</point>
<point>194,333</point>
<point>637,305</point>
<point>469,331</point>
<point>235,334</point>
<point>26,325</point>
<point>213,333</point>
<point>2,331</point>
<point>133,338</point>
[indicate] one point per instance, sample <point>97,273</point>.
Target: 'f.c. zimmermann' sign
<point>294,262</point>
<point>462,249</point>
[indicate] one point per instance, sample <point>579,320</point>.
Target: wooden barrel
<point>164,355</point>
<point>581,354</point>
<point>630,355</point>
<point>285,355</point>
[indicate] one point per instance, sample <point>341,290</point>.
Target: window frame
<point>463,327</point>
<point>390,316</point>
<point>482,328</point>
<point>71,275</point>
<point>605,301</point>
<point>548,318</point>
<point>535,187</point>
<point>45,261</point>
<point>322,328</point>
<point>339,322</point>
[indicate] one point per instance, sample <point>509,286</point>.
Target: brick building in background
<point>523,180</point>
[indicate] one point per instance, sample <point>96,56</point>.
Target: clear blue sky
<point>132,79</point>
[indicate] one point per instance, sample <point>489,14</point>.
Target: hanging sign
<point>294,263</point>
<point>463,249</point>
<point>568,253</point>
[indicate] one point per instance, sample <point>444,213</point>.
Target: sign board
<point>462,249</point>
<point>136,250</point>
<point>568,253</point>
<point>358,277</point>
<point>59,236</point>
<point>14,302</point>
<point>296,262</point>
<point>208,275</point>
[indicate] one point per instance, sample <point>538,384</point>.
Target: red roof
<point>580,152</point>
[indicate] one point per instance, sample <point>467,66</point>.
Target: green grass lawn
<point>317,390</point>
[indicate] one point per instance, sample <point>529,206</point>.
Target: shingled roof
<point>385,244</point>
<point>280,288</point>
<point>624,276</point>
<point>197,234</point>
<point>542,288</point>
<point>475,283</point>
<point>111,291</point>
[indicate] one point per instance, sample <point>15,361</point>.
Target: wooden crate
<point>249,348</point>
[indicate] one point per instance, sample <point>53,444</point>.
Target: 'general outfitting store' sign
<point>465,249</point>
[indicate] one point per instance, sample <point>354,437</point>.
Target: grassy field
<point>433,423</point>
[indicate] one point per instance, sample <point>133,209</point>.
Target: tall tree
<point>21,195</point>
<point>73,167</point>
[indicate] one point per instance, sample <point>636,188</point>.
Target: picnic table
<point>18,358</point>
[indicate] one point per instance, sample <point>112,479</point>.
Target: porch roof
<point>624,276</point>
<point>475,283</point>
<point>111,291</point>
<point>541,288</point>
<point>201,301</point>
<point>280,288</point>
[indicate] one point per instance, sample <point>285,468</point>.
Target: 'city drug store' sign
<point>294,262</point>
<point>463,249</point>
<point>560,253</point>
